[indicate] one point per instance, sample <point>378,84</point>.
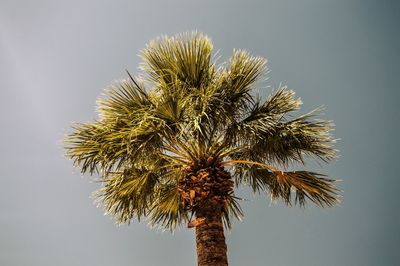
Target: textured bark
<point>210,239</point>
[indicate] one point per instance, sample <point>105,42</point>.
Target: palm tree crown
<point>190,131</point>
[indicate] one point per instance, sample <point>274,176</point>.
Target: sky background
<point>56,57</point>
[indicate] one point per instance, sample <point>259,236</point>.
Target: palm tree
<point>175,152</point>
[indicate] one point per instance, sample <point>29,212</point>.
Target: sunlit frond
<point>88,148</point>
<point>171,108</point>
<point>100,146</point>
<point>234,85</point>
<point>272,133</point>
<point>123,100</point>
<point>263,117</point>
<point>306,185</point>
<point>167,209</point>
<point>129,193</point>
<point>243,71</point>
<point>280,102</point>
<point>282,185</point>
<point>186,57</point>
<point>291,140</point>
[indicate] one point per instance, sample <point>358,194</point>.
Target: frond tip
<point>306,185</point>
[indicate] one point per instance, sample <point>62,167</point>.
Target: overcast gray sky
<point>56,57</point>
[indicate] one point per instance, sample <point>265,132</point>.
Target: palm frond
<point>171,108</point>
<point>100,146</point>
<point>229,97</point>
<point>244,70</point>
<point>234,84</point>
<point>291,140</point>
<point>167,209</point>
<point>263,117</point>
<point>280,184</point>
<point>253,176</point>
<point>123,100</point>
<point>88,148</point>
<point>307,185</point>
<point>282,101</point>
<point>128,194</point>
<point>265,137</point>
<point>186,57</point>
<point>231,210</point>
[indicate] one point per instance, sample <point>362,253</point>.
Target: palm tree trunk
<point>210,239</point>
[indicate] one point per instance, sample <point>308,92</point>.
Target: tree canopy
<point>187,112</point>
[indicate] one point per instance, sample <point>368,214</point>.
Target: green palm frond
<point>282,101</point>
<point>100,146</point>
<point>231,210</point>
<point>282,185</point>
<point>123,100</point>
<point>262,118</point>
<point>234,83</point>
<point>270,133</point>
<point>87,147</point>
<point>253,176</point>
<point>244,70</point>
<point>186,57</point>
<point>307,185</point>
<point>170,109</point>
<point>291,140</point>
<point>128,194</point>
<point>167,209</point>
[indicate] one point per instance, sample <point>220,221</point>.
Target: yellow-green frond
<point>128,194</point>
<point>186,57</point>
<point>306,185</point>
<point>167,209</point>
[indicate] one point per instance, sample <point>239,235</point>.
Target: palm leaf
<point>128,194</point>
<point>307,185</point>
<point>167,209</point>
<point>186,57</point>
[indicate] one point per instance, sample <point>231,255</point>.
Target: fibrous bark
<point>204,190</point>
<point>210,239</point>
